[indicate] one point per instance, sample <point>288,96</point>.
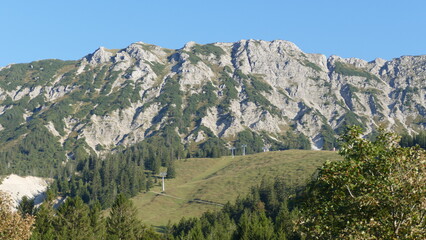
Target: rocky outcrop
<point>101,55</point>
<point>277,87</point>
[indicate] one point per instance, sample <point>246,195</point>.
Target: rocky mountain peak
<point>189,45</point>
<point>101,55</point>
<point>113,98</point>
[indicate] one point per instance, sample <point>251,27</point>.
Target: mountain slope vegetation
<point>197,101</point>
<point>204,184</point>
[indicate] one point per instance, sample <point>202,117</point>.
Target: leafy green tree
<point>377,192</point>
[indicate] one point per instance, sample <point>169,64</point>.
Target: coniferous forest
<point>376,192</point>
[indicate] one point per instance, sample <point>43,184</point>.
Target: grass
<point>350,70</point>
<point>222,180</point>
<point>208,49</point>
<point>312,65</point>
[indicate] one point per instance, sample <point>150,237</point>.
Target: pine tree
<point>196,232</point>
<point>97,222</point>
<point>284,222</point>
<point>74,221</point>
<point>44,227</point>
<point>255,226</point>
<point>171,170</point>
<point>95,186</point>
<point>122,222</point>
<point>26,206</point>
<point>156,164</point>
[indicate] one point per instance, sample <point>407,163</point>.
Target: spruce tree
<point>44,225</point>
<point>171,170</point>
<point>255,226</point>
<point>74,221</point>
<point>97,222</point>
<point>26,206</point>
<point>122,222</point>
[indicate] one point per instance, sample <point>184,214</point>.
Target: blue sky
<point>34,30</point>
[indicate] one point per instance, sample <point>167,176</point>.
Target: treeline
<point>102,180</point>
<point>160,150</point>
<point>253,143</point>
<point>127,172</point>
<point>37,153</point>
<point>76,220</point>
<point>262,214</point>
<point>29,147</point>
<point>417,139</point>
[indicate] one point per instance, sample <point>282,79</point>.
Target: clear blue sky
<point>34,30</point>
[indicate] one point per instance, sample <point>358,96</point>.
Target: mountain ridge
<point>113,98</point>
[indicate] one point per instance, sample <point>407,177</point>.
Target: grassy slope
<point>222,180</point>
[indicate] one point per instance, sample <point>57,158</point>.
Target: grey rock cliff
<point>301,92</point>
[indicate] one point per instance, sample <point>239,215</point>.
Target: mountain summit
<point>273,90</point>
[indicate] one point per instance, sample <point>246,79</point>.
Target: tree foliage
<point>350,70</point>
<point>122,222</point>
<point>77,221</point>
<point>26,206</point>
<point>262,214</point>
<point>37,154</point>
<point>102,180</point>
<point>377,192</point>
<point>416,139</point>
<point>73,220</point>
<point>13,225</point>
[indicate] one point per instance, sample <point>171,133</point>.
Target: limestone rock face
<point>267,87</point>
<point>101,55</point>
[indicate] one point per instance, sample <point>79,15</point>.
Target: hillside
<point>217,181</point>
<point>205,98</point>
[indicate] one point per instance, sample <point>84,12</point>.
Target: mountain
<point>270,92</point>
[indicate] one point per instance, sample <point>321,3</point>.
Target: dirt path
<point>191,200</point>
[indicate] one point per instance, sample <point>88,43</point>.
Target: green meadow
<point>204,184</point>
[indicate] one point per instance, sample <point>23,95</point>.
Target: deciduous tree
<point>377,192</point>
<point>13,226</point>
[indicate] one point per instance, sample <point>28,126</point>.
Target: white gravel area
<point>29,186</point>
